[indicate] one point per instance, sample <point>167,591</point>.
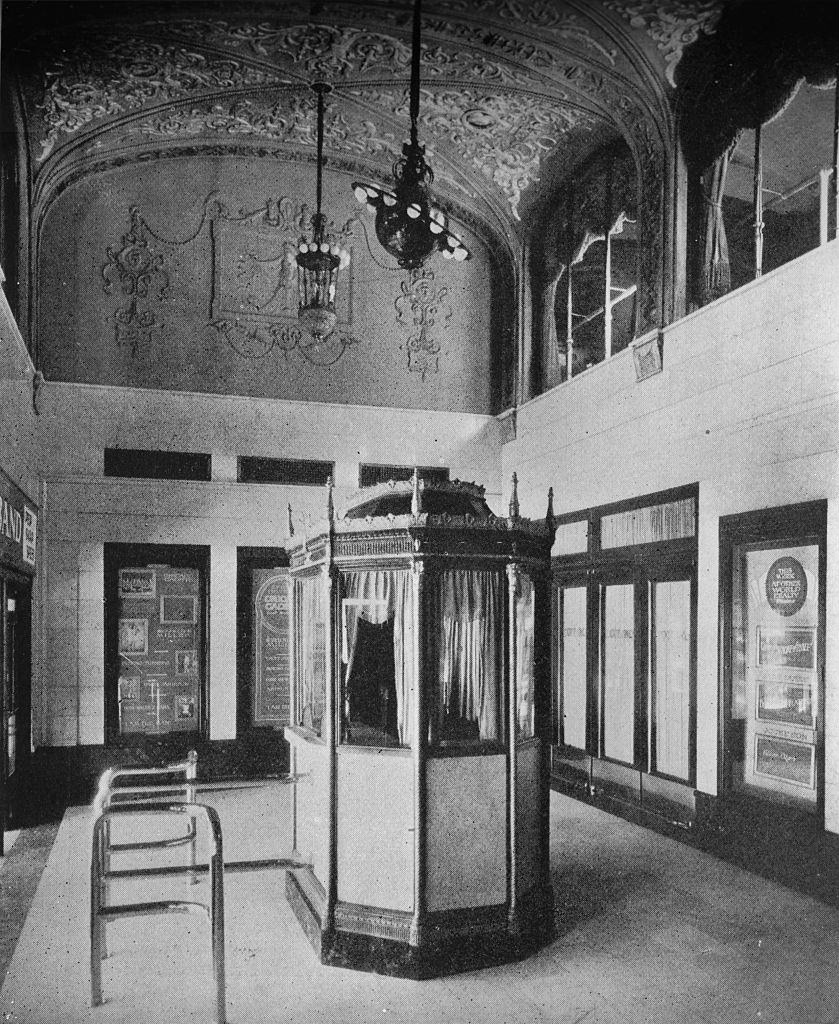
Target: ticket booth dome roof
<point>438,498</point>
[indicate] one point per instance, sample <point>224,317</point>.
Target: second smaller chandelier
<point>319,261</point>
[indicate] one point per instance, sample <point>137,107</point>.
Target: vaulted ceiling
<point>513,92</point>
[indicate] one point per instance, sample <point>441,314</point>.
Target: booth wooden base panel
<point>377,940</point>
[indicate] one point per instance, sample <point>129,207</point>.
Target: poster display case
<point>158,649</point>
<point>775,614</point>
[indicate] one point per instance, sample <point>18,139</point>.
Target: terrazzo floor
<point>650,930</point>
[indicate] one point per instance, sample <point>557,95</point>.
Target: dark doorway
<point>16,701</point>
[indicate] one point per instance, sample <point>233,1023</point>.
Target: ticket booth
<point>419,737</point>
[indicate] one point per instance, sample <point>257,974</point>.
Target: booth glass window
<point>377,657</point>
<point>312,651</point>
<point>465,639</point>
<point>571,665</point>
<point>525,626</point>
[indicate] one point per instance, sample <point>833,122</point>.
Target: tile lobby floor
<point>650,930</point>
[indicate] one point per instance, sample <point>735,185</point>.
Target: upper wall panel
<point>175,274</point>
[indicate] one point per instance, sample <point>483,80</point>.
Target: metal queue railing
<point>110,790</point>
<point>122,802</point>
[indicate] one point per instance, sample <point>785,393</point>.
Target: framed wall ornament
<point>253,300</point>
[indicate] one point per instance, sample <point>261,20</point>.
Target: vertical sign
<point>159,649</point>
<point>271,688</point>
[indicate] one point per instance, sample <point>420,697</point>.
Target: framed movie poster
<point>159,649</point>
<point>271,668</point>
<point>775,695</point>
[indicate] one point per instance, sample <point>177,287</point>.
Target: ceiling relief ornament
<point>86,84</point>
<point>335,54</point>
<point>504,136</point>
<point>289,120</point>
<point>140,273</point>
<point>672,24</point>
<point>530,14</point>
<point>420,307</point>
<point>253,306</point>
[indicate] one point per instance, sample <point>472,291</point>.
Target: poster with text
<point>271,674</point>
<point>781,666</point>
<point>159,647</point>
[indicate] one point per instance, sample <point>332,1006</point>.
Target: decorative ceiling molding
<point>509,87</point>
<point>672,24</point>
<point>291,121</point>
<point>529,14</point>
<point>503,136</point>
<point>111,75</point>
<point>345,53</point>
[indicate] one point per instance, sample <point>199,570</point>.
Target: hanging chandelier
<point>319,261</point>
<point>408,226</point>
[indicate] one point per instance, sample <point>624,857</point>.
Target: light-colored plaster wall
<point>216,307</point>
<point>18,451</point>
<point>84,510</point>
<point>747,405</point>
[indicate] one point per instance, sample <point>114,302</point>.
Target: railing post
<point>96,923</point>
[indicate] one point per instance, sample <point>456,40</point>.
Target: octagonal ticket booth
<point>420,626</point>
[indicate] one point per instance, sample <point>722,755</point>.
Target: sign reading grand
<point>18,527</point>
<point>786,586</point>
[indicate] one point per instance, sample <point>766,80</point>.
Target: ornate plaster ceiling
<point>510,88</point>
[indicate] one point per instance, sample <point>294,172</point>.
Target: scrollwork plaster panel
<point>111,75</point>
<point>672,24</point>
<point>503,136</point>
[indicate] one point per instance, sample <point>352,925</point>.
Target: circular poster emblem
<point>786,586</point>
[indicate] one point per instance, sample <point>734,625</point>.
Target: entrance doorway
<point>772,572</point>
<point>16,700</point>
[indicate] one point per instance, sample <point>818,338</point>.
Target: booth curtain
<point>469,645</point>
<point>378,595</point>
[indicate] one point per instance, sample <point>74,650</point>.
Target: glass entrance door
<point>774,656</point>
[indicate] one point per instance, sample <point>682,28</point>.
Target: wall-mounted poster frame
<point>156,644</point>
<point>262,640</point>
<point>772,626</point>
<point>785,760</point>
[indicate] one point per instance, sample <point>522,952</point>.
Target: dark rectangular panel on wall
<point>296,472</point>
<point>156,465</point>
